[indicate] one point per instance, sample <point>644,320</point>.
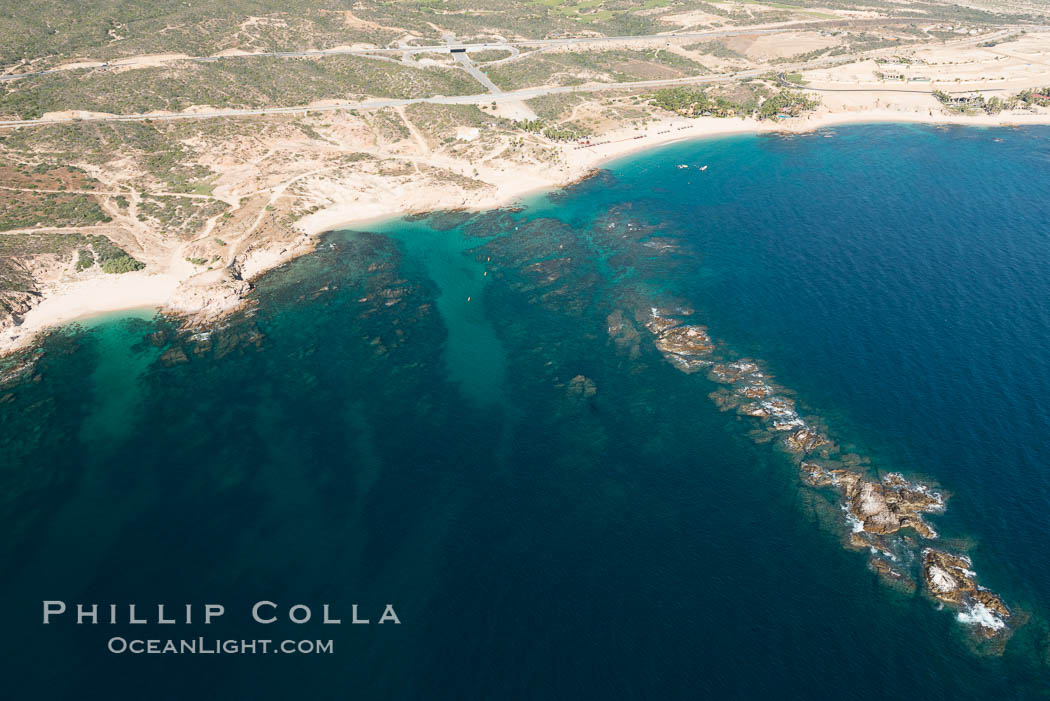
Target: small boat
<point>703,167</point>
<point>682,167</point>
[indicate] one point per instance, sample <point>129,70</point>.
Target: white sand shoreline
<point>82,299</point>
<point>70,301</point>
<point>657,135</point>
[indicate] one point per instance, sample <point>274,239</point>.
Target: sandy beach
<point>66,301</point>
<point>581,160</point>
<point>84,298</point>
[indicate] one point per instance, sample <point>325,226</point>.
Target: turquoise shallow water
<point>397,421</point>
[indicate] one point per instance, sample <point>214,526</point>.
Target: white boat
<point>703,167</point>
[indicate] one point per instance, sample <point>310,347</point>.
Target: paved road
<point>469,67</point>
<point>498,96</point>
<point>484,98</point>
<point>512,45</point>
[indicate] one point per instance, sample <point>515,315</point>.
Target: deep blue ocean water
<point>395,421</point>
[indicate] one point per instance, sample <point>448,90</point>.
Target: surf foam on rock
<point>980,615</point>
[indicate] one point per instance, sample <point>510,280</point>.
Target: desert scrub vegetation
<point>85,259</point>
<point>113,258</point>
<point>25,210</point>
<point>527,18</point>
<point>174,167</point>
<point>387,125</point>
<point>595,11</point>
<point>109,29</point>
<point>92,140</point>
<point>532,71</point>
<point>122,264</point>
<point>576,67</point>
<point>88,140</point>
<point>90,248</point>
<point>18,250</point>
<point>44,176</point>
<point>866,41</point>
<point>40,243</point>
<point>182,216</point>
<point>229,83</point>
<point>555,107</point>
<point>714,48</point>
<point>157,147</point>
<point>489,55</point>
<point>441,121</point>
<point>814,54</point>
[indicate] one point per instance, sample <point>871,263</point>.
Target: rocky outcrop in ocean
<point>687,347</point>
<point>949,579</point>
<point>885,515</point>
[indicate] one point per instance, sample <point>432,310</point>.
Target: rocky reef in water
<point>546,262</point>
<point>885,515</point>
<point>687,347</point>
<point>557,271</point>
<point>949,579</point>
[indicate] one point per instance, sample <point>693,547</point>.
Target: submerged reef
<point>567,275</point>
<point>884,514</point>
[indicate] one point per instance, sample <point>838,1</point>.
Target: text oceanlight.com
<point>208,646</point>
